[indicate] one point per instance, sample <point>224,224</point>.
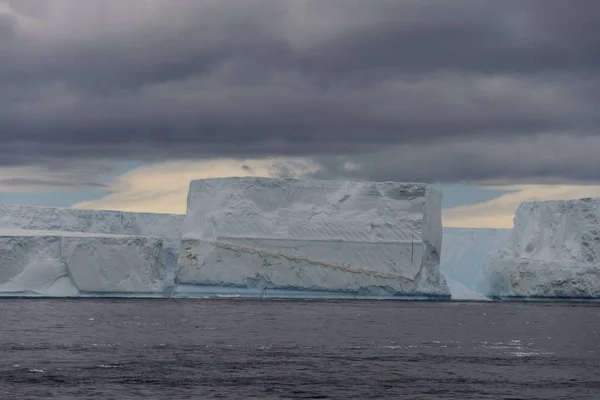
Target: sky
<point>118,104</point>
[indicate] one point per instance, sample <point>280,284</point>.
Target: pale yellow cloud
<point>499,212</point>
<point>164,187</point>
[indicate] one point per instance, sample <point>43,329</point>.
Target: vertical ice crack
<point>412,248</point>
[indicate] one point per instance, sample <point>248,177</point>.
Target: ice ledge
<point>408,188</point>
<point>44,233</point>
<point>57,220</point>
<point>366,293</point>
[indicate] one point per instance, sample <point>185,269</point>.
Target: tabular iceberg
<point>290,238</point>
<point>553,251</point>
<point>73,263</point>
<point>165,226</point>
<point>463,253</point>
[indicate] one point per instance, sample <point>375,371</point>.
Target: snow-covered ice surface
<point>463,252</point>
<point>51,263</point>
<point>261,237</point>
<point>553,252</point>
<point>165,226</point>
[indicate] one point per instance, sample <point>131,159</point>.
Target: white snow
<point>70,264</point>
<point>165,226</point>
<point>463,252</point>
<point>553,251</point>
<point>259,235</point>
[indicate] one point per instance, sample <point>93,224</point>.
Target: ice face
<point>463,253</point>
<point>287,236</point>
<point>557,230</point>
<point>505,276</point>
<point>165,226</point>
<point>70,264</point>
<point>553,251</point>
<point>458,291</point>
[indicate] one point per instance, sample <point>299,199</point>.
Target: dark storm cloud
<point>8,29</point>
<point>541,159</point>
<point>336,80</point>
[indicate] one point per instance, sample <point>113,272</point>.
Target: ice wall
<point>259,236</point>
<point>165,226</point>
<point>464,250</point>
<point>70,264</point>
<point>553,251</point>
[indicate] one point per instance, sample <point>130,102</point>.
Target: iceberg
<point>553,252</point>
<point>463,253</point>
<point>264,237</point>
<point>165,226</point>
<point>54,263</point>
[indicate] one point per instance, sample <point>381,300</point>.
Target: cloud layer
<point>164,187</point>
<point>467,90</point>
<point>58,176</point>
<point>499,212</point>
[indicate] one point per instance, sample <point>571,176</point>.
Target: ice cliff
<point>58,263</point>
<point>286,238</point>
<point>463,253</point>
<point>553,251</point>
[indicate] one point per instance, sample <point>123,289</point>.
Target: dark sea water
<point>198,349</point>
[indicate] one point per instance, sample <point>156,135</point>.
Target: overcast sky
<point>473,91</point>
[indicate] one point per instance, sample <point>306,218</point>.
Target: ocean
<point>259,349</point>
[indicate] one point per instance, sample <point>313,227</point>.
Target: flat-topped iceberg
<point>553,252</point>
<point>54,263</point>
<point>165,226</point>
<point>291,238</point>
